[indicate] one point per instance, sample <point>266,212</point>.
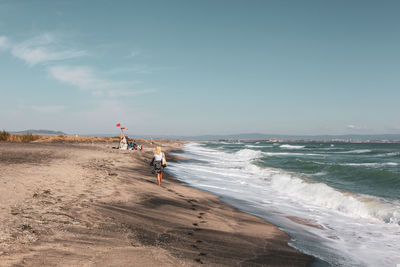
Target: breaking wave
<point>357,151</point>
<point>372,164</point>
<point>291,146</point>
<point>325,196</point>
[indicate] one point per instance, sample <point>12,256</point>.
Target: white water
<point>358,230</point>
<point>357,151</point>
<point>291,147</point>
<point>253,146</point>
<point>372,164</point>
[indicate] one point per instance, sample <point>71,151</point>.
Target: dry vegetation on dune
<point>17,138</point>
<point>77,139</point>
<point>26,138</point>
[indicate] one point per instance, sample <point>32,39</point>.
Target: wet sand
<point>90,205</point>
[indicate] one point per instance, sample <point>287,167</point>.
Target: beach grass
<point>17,138</point>
<point>27,138</point>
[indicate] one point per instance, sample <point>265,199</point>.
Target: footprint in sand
<point>199,260</point>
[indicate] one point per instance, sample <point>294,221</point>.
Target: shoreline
<point>104,208</point>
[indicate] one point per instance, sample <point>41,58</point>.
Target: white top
<point>158,157</point>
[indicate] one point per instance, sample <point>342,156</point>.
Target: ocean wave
<point>357,151</point>
<point>389,154</point>
<point>252,146</point>
<point>319,174</point>
<point>372,164</point>
<point>325,196</point>
<point>291,146</point>
<point>291,154</point>
<point>248,154</point>
<point>329,148</point>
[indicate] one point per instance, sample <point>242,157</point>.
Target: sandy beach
<point>91,205</point>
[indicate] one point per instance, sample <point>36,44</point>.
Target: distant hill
<point>40,132</point>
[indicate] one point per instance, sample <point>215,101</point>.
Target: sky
<point>200,67</point>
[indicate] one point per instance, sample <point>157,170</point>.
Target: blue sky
<point>201,67</point>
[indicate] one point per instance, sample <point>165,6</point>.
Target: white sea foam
<point>372,164</point>
<point>389,154</point>
<point>247,154</point>
<point>319,174</point>
<point>357,151</point>
<point>291,154</point>
<point>291,146</point>
<point>253,146</point>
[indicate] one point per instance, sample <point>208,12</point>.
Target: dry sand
<point>90,205</point>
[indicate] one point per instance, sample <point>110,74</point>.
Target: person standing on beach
<point>158,162</point>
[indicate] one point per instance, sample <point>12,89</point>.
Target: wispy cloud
<point>86,78</point>
<point>4,43</point>
<point>134,53</point>
<point>44,48</point>
<point>48,109</point>
<point>50,50</point>
<point>41,49</point>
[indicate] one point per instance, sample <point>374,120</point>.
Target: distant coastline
<point>351,138</point>
<point>381,138</point>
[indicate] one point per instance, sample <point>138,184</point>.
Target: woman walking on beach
<point>159,163</point>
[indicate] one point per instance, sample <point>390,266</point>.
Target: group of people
<point>132,145</point>
<point>159,162</point>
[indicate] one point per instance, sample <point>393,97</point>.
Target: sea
<point>339,202</point>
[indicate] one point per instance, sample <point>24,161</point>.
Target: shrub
<point>4,136</point>
<point>17,138</point>
<point>28,137</point>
